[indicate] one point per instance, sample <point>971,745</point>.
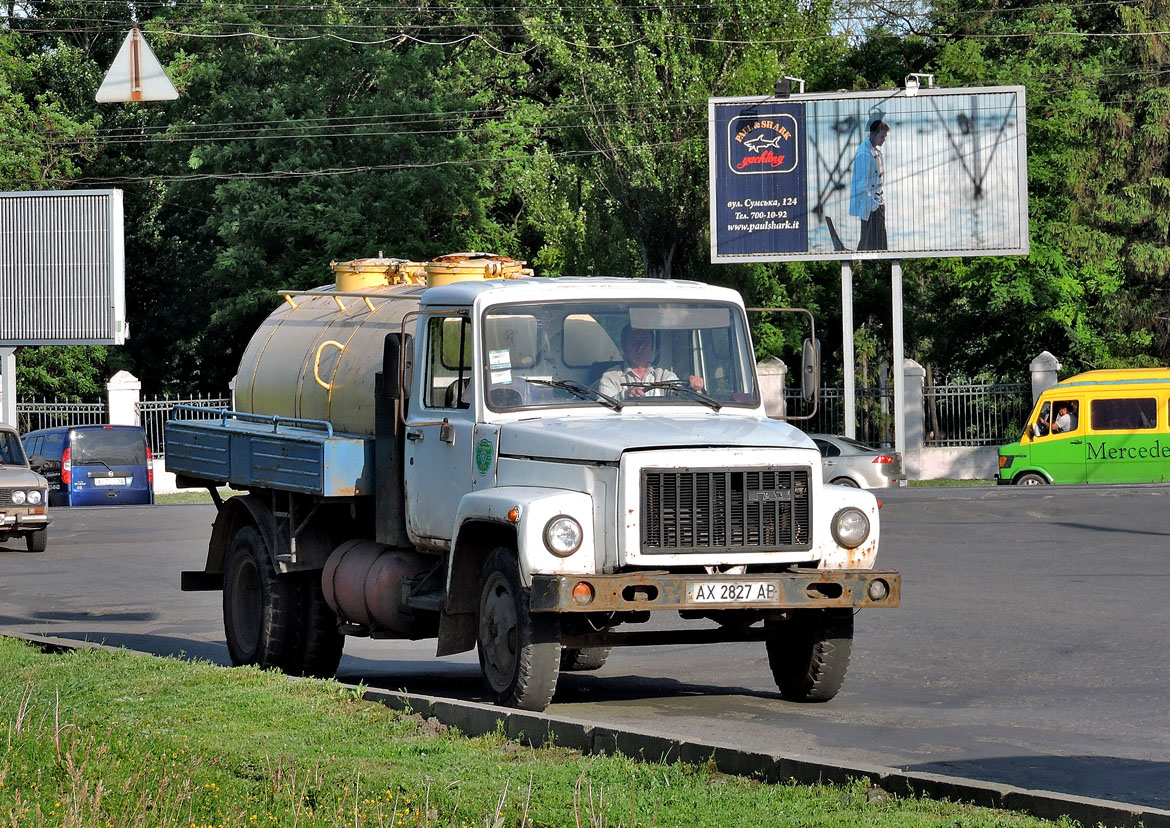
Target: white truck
<point>458,450</point>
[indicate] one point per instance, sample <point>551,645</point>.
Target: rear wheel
<point>845,481</point>
<point>809,653</point>
<point>261,610</point>
<point>519,651</point>
<point>37,541</point>
<point>581,659</point>
<point>1031,479</point>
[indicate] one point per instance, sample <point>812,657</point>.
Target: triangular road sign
<point>136,75</point>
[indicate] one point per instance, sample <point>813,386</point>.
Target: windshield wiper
<point>580,391</point>
<point>680,385</point>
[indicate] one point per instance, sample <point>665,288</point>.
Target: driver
<point>637,348</point>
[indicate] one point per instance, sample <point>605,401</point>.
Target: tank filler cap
<point>358,274</point>
<point>469,266</point>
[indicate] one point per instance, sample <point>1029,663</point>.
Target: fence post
<point>915,418</point>
<point>124,390</point>
<point>771,372</point>
<point>1043,368</point>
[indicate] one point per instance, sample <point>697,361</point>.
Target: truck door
<point>440,451</point>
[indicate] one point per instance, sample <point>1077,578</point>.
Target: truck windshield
<point>617,354</point>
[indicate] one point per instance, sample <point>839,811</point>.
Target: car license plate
<point>732,592</point>
<point>110,481</point>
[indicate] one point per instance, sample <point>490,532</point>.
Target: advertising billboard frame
<point>62,268</point>
<point>973,144</point>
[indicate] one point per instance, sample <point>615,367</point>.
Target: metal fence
<point>875,418</point>
<point>954,415</point>
<point>975,415</point>
<point>153,414</point>
<point>44,413</point>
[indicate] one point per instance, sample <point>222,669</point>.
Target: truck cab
<point>549,463</point>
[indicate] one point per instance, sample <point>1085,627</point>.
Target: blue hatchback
<point>93,465</point>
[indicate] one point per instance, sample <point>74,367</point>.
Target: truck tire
<point>261,610</point>
<point>519,651</point>
<point>809,653</point>
<point>37,541</point>
<point>321,643</point>
<point>580,659</point>
<point>1031,479</point>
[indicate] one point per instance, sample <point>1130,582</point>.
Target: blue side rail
<point>217,446</point>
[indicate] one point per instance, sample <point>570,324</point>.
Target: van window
<point>54,446</point>
<point>121,447</point>
<point>1123,414</point>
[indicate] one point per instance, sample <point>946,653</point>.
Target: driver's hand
<point>635,391</point>
<point>696,383</point>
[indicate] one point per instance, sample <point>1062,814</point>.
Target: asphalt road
<point>1032,647</point>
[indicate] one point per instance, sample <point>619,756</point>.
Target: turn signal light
<point>514,515</point>
<point>583,593</point>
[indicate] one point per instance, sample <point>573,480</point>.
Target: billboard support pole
<point>899,359</point>
<point>850,402</point>
<point>8,388</point>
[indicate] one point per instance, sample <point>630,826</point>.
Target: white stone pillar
<point>915,418</point>
<point>124,390</point>
<point>771,372</point>
<point>1044,370</point>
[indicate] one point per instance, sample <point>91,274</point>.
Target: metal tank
<point>315,357</point>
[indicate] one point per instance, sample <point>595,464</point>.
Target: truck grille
<point>727,510</point>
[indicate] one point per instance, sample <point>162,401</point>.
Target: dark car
<point>93,465</point>
<point>847,462</point>
<point>23,495</point>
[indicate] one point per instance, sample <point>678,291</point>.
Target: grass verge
<point>105,740</point>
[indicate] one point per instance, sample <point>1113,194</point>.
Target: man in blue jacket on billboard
<point>867,198</point>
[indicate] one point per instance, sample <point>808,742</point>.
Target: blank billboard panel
<point>62,268</point>
<point>869,175</point>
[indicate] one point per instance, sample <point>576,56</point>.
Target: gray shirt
<point>611,381</point>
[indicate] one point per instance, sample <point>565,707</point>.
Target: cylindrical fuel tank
<point>362,582</point>
<point>316,355</point>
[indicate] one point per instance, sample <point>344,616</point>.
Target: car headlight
<point>850,527</point>
<point>563,536</point>
<point>34,497</point>
<point>18,498</point>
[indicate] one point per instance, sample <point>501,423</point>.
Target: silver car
<point>24,495</point>
<point>847,462</point>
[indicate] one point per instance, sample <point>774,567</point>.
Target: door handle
<point>1074,442</point>
<point>414,436</point>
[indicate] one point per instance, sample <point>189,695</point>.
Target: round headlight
<point>562,536</point>
<point>34,497</point>
<point>18,498</point>
<point>850,527</point>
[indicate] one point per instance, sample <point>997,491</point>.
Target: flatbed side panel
<point>251,455</point>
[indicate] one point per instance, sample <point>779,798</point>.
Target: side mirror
<point>398,365</point>
<point>810,369</point>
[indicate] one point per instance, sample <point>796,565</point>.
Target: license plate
<point>732,592</point>
<point>110,481</point>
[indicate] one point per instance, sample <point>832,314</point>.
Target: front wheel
<point>37,541</point>
<point>519,651</point>
<point>1031,479</point>
<point>261,610</point>
<point>809,653</point>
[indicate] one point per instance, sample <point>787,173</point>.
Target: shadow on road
<point>1144,782</point>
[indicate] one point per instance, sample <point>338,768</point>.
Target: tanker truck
<point>531,467</point>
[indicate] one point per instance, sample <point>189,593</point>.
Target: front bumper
<point>12,523</point>
<point>649,591</point>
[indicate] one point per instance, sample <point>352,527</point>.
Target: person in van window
<point>1064,421</point>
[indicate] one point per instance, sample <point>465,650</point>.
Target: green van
<point>1108,426</point>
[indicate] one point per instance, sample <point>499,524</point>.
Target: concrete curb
<point>539,729</point>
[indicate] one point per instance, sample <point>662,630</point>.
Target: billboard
<point>869,175</point>
<point>62,268</point>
